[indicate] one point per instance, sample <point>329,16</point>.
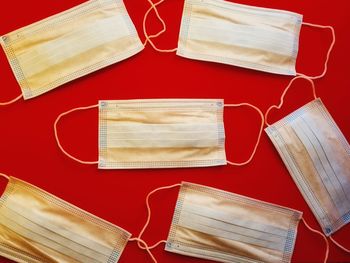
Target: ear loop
<point>328,53</point>
<point>284,94</point>
<point>149,37</point>
<point>131,239</point>
<point>58,140</point>
<point>259,136</point>
<point>5,176</point>
<point>321,234</point>
<point>11,101</point>
<point>145,247</point>
<point>149,217</point>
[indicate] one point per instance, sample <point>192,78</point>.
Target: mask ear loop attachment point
<point>11,101</point>
<point>259,136</point>
<point>149,216</point>
<point>58,140</point>
<point>321,234</point>
<point>149,37</point>
<point>328,53</point>
<point>279,106</point>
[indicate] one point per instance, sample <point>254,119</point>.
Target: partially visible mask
<point>161,133</point>
<point>246,36</point>
<point>69,45</point>
<point>213,224</point>
<point>317,156</point>
<point>37,227</point>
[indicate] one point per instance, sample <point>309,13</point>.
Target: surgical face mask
<point>161,133</point>
<point>37,227</point>
<point>69,45</point>
<point>317,157</point>
<point>213,224</point>
<point>240,35</point>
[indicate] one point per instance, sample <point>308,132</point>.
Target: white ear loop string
<point>58,140</point>
<point>149,216</point>
<point>11,101</point>
<point>338,245</point>
<point>146,247</point>
<point>5,176</point>
<point>159,18</point>
<point>260,131</point>
<point>148,37</point>
<point>284,93</point>
<point>328,53</point>
<point>321,234</point>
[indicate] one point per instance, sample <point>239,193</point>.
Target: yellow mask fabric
<point>241,35</point>
<point>317,157</point>
<point>69,45</point>
<point>213,224</point>
<point>161,133</point>
<point>37,227</point>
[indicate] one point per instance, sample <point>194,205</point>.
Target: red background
<point>28,149</point>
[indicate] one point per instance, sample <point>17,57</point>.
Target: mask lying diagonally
<point>241,35</point>
<point>69,45</point>
<point>161,133</point>
<point>37,227</point>
<point>213,224</point>
<point>317,157</point>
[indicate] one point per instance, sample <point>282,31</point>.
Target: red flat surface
<point>28,149</point>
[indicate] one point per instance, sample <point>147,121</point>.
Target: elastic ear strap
<point>153,7</point>
<point>328,53</point>
<point>338,245</point>
<point>56,134</point>
<point>285,92</point>
<point>148,37</point>
<point>149,216</point>
<point>321,234</point>
<point>260,131</point>
<point>146,247</point>
<point>11,101</point>
<point>5,176</point>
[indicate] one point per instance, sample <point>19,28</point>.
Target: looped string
<point>146,247</point>
<point>328,53</point>
<point>153,7</point>
<point>149,216</point>
<point>321,234</point>
<point>149,37</point>
<point>5,176</point>
<point>285,92</point>
<point>338,245</point>
<point>11,101</point>
<point>58,140</point>
<point>260,131</point>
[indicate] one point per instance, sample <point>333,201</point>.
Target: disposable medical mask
<point>37,227</point>
<point>217,225</point>
<point>69,45</point>
<point>246,36</point>
<point>317,157</point>
<point>161,133</point>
